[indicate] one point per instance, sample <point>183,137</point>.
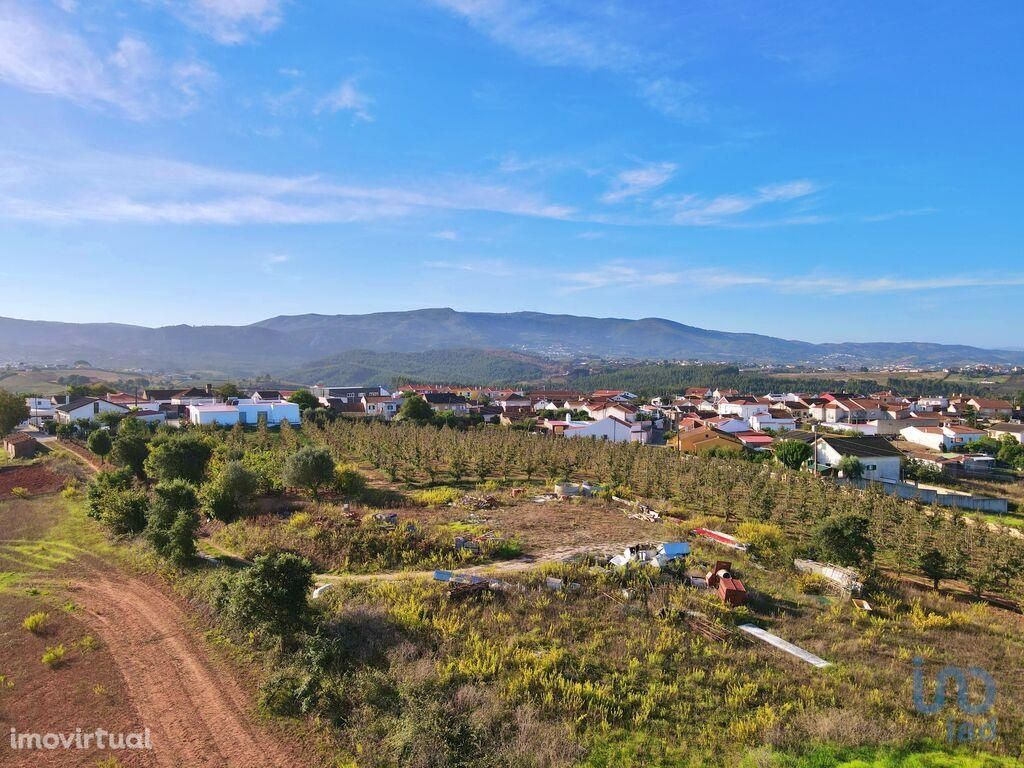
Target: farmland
<point>389,670</point>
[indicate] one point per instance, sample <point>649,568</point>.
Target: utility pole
<point>814,446</point>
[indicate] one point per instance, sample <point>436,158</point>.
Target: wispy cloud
<point>695,210</point>
<point>230,22</point>
<point>637,181</point>
<point>41,54</point>
<point>900,214</point>
<point>487,268</point>
<point>446,234</point>
<point>121,188</point>
<point>615,275</point>
<point>619,275</point>
<point>347,98</point>
<point>583,37</point>
<point>273,260</point>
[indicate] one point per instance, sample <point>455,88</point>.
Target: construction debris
<point>478,502</point>
<point>321,589</point>
<point>461,542</point>
<point>730,589</point>
<point>573,489</point>
<point>643,512</point>
<point>864,605</point>
<point>657,555</point>
<point>845,580</point>
<point>385,518</point>
<point>783,645</point>
<point>721,538</point>
<point>559,585</point>
<point>465,584</point>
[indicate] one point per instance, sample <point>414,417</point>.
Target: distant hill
<point>281,344</point>
<point>447,366</point>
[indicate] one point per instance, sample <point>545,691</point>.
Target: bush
<point>310,468</point>
<point>230,493</point>
<point>36,622</point>
<point>181,456</point>
<point>811,584</point>
<point>765,541</point>
<point>54,655</point>
<point>348,481</point>
<point>172,521</point>
<point>437,497</point>
<point>21,493</point>
<point>273,594</point>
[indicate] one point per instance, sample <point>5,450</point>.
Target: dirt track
<point>197,714</point>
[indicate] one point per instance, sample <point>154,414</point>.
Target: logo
<point>958,730</point>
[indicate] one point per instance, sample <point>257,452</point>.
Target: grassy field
<point>44,382</point>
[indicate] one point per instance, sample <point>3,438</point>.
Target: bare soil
<point>34,478</point>
<point>199,715</point>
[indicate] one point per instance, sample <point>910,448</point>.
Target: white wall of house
<point>761,421</point>
<point>605,429</point>
<point>222,415</point>
<point>275,412</point>
<point>934,440</point>
<point>875,467</point>
<point>89,412</point>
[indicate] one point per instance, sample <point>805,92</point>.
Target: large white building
<point>245,412</point>
<point>86,409</point>
<point>879,459</point>
<point>942,438</point>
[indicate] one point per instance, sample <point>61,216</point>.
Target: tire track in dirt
<point>197,714</point>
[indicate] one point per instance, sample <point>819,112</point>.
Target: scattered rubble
<point>783,645</point>
<point>320,589</point>
<point>720,538</point>
<point>845,580</point>
<point>730,589</point>
<point>657,555</point>
<point>478,502</point>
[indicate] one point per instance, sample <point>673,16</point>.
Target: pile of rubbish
<point>478,502</point>
<point>845,580</point>
<point>656,555</point>
<point>462,585</point>
<point>642,511</point>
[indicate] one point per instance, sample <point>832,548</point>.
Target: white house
<point>780,421</point>
<point>40,409</point>
<point>741,406</point>
<point>879,459</point>
<point>87,408</point>
<point>1015,430</point>
<point>942,438</point>
<point>607,408</point>
<point>245,412</point>
<point>384,407</point>
<point>610,428</point>
<point>220,414</point>
<point>729,424</point>
<point>446,401</point>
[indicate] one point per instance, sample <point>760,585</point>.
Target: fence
<point>930,496</point>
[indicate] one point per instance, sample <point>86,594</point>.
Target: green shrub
<point>437,497</point>
<point>21,493</point>
<point>811,584</point>
<point>36,622</point>
<point>54,655</point>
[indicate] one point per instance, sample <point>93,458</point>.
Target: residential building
<point>19,445</point>
<point>706,439</point>
<point>1014,430</point>
<point>381,406</point>
<point>446,401</point>
<point>945,438</point>
<point>879,459</point>
<point>347,393</point>
<point>611,428</point>
<point>86,408</point>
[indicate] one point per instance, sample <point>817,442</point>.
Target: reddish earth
<point>35,478</point>
<point>198,714</point>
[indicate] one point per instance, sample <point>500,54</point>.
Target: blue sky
<point>823,171</point>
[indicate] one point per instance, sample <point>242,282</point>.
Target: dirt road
<point>198,714</point>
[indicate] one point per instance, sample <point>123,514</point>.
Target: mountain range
<point>312,341</point>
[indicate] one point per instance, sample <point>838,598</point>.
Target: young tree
<point>844,538</point>
<point>793,453</point>
<point>181,456</point>
<point>273,595</point>
<point>130,450</point>
<point>13,411</point>
<point>229,493</point>
<point>311,468</point>
<point>851,467</point>
<point>115,502</point>
<point>934,565</point>
<point>228,389</point>
<point>172,521</point>
<point>416,409</point>
<point>304,399</point>
<point>99,442</point>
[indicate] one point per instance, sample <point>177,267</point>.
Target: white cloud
<point>674,98</point>
<point>347,98</point>
<point>588,38</point>
<point>446,234</point>
<point>488,268</point>
<point>41,55</point>
<point>273,260</point>
<point>695,210</point>
<point>230,21</point>
<point>618,275</point>
<point>636,181</point>
<point>106,187</point>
